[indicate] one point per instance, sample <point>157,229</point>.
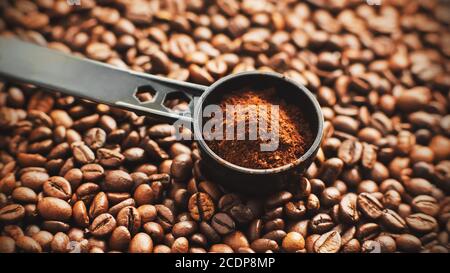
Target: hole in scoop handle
<point>92,80</point>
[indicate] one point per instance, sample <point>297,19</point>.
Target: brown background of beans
<point>76,176</point>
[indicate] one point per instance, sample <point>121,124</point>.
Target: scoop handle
<point>92,80</point>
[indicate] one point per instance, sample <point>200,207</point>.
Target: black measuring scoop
<point>99,82</point>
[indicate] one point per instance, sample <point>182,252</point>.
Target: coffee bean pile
<point>76,176</point>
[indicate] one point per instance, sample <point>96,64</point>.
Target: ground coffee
<point>295,134</point>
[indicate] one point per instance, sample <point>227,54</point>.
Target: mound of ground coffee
<point>295,134</point>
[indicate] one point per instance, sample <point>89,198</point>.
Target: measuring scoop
<point>103,83</point>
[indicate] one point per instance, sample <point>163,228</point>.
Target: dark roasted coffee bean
<point>227,201</point>
<point>295,210</point>
<point>222,223</point>
<point>278,199</point>
<point>209,232</point>
<point>241,214</point>
<point>321,223</point>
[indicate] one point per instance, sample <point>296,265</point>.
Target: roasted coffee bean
<point>348,211</point>
<point>12,213</point>
<point>201,206</point>
<point>329,242</point>
<point>110,158</point>
<point>155,231</point>
<point>293,242</point>
<point>80,214</point>
<point>103,225</point>
<point>44,238</point>
<point>408,243</point>
<point>24,195</point>
<point>95,138</point>
<point>321,223</point>
<point>141,243</point>
<point>33,179</point>
<point>387,244</point>
<point>421,222</point>
<point>352,246</point>
<point>350,152</point>
<point>367,231</point>
<point>130,218</point>
<point>118,181</point>
<point>164,216</point>
<point>369,205</point>
<point>181,167</point>
<point>392,221</point>
<point>236,240</point>
<point>184,228</point>
<point>330,170</point>
<point>92,172</point>
<point>60,243</point>
<point>262,245</point>
<point>180,245</point>
<point>227,201</point>
<point>58,187</point>
<point>255,229</point>
<point>28,244</point>
<point>51,208</point>
<point>330,196</point>
<point>222,223</point>
<point>295,210</point>
<point>147,213</point>
<point>99,205</point>
<point>82,153</point>
<point>144,194</point>
<point>241,214</point>
<point>278,199</point>
<point>120,238</point>
<point>425,204</point>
